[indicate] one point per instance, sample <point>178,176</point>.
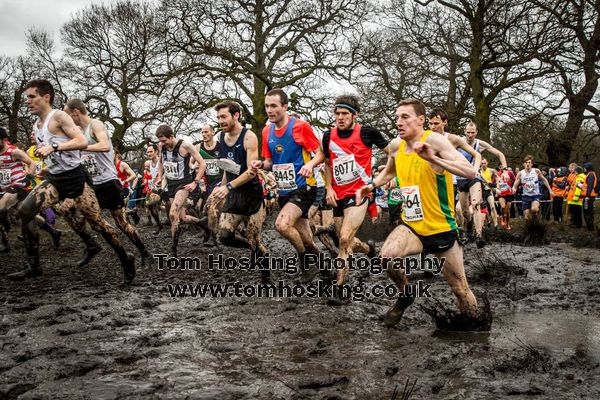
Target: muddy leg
<point>89,208</point>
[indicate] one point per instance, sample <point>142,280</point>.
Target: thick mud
<point>80,333</point>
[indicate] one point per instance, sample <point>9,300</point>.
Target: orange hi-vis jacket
<point>574,196</point>
<point>589,191</point>
<point>559,186</point>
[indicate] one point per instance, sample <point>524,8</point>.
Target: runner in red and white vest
<point>12,182</point>
<point>348,152</point>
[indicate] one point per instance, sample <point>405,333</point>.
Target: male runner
<point>153,197</point>
<point>488,177</point>
<point>286,147</point>
<point>13,183</point>
<point>59,141</point>
<point>240,187</point>
<point>209,150</point>
<point>438,120</point>
<point>529,178</point>
<point>423,161</point>
<point>174,164</point>
<point>97,160</point>
<point>348,150</point>
<point>129,181</point>
<point>471,188</point>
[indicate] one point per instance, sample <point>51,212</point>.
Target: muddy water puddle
<point>556,332</point>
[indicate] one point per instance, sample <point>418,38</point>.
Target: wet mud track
<point>80,333</point>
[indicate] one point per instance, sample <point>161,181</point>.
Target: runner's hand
<point>220,192</point>
<point>331,197</point>
<point>44,151</point>
<point>305,171</point>
<point>362,193</point>
<point>424,151</point>
<point>190,186</point>
<point>255,165</point>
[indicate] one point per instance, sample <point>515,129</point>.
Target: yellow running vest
<point>487,175</point>
<point>39,166</point>
<point>428,206</point>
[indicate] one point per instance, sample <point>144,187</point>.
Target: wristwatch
<point>229,186</point>
<point>55,146</point>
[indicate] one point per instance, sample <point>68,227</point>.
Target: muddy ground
<point>80,333</point>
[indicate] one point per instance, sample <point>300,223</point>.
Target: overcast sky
<point>17,16</point>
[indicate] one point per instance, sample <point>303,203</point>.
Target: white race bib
<point>89,163</point>
<point>5,177</point>
<point>344,169</point>
<point>50,161</point>
<point>529,187</point>
<point>171,170</point>
<point>285,176</point>
<point>411,205</point>
<point>212,168</point>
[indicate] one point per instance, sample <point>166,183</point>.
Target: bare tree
<point>577,66</point>
<point>121,66</point>
<point>251,46</point>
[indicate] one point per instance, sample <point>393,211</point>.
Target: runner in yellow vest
<point>424,162</point>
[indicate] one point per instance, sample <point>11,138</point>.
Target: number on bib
<point>411,205</point>
<point>89,163</point>
<point>212,168</point>
<point>171,170</point>
<point>396,195</point>
<point>5,176</point>
<point>344,169</point>
<point>285,176</point>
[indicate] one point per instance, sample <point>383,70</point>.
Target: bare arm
<point>517,182</point>
<point>386,175</point>
<point>198,158</point>
<point>101,135</point>
<point>460,143</point>
<point>65,123</point>
<point>20,155</point>
<point>131,176</point>
<point>439,152</point>
<point>494,151</point>
<point>543,179</point>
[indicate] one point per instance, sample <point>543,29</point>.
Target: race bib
<point>171,170</point>
<point>285,176</point>
<point>503,187</point>
<point>344,170</point>
<point>212,168</point>
<point>89,163</point>
<point>50,161</point>
<point>5,177</point>
<point>529,187</point>
<point>411,205</point>
<point>396,195</point>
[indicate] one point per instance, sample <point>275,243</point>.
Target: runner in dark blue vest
<point>240,187</point>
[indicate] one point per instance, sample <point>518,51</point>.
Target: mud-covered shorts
<point>245,200</point>
<point>465,184</point>
<point>69,184</point>
<point>176,185</point>
<point>528,200</point>
<point>436,243</point>
<point>347,202</point>
<point>110,194</point>
<point>303,197</point>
